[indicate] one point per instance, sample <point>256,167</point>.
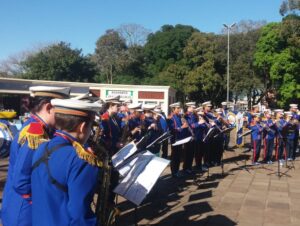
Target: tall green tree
<point>59,62</point>
<point>244,79</point>
<point>278,56</point>
<point>203,82</point>
<point>165,46</point>
<point>110,56</point>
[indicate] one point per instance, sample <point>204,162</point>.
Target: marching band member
<point>250,116</point>
<point>290,136</point>
<point>134,122</point>
<point>64,173</point>
<point>219,140</point>
<point>210,119</point>
<point>224,115</point>
<point>280,140</point>
<point>296,118</point>
<point>256,130</point>
<point>150,126</point>
<point>111,125</point>
<point>200,132</point>
<point>123,112</point>
<point>161,128</point>
<point>207,108</point>
<point>179,131</point>
<point>111,135</point>
<point>189,148</point>
<point>269,136</point>
<point>164,126</point>
<point>16,208</point>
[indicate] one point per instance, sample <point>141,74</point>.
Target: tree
<point>289,6</point>
<point>165,46</point>
<point>111,55</point>
<point>173,76</point>
<point>133,34</point>
<point>244,79</point>
<point>278,56</point>
<point>58,62</point>
<point>203,82</point>
<point>12,66</point>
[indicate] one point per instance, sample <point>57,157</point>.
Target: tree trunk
<point>111,74</point>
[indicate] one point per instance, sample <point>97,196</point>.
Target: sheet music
<point>124,169</point>
<point>183,141</point>
<point>142,177</point>
<point>123,154</point>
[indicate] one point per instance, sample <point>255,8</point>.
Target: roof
<point>21,86</point>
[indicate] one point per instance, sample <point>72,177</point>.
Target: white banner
<point>124,94</point>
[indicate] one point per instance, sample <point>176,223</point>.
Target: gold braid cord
<point>85,155</point>
<point>34,139</point>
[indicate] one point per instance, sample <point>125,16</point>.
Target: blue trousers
<point>269,146</point>
<point>256,150</point>
<point>290,148</point>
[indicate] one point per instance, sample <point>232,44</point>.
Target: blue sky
<point>25,24</point>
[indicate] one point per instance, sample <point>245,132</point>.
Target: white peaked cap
<point>134,106</point>
<point>75,107</point>
<point>148,107</point>
<point>207,104</point>
<point>191,104</point>
<point>294,106</point>
<point>174,105</point>
<point>49,91</point>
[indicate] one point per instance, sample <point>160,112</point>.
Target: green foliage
<point>278,56</point>
<point>165,46</point>
<point>203,81</point>
<point>59,62</point>
<point>110,55</point>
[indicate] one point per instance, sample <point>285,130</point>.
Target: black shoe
<point>177,175</point>
<point>188,172</point>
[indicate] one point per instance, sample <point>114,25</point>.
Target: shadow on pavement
<point>173,202</point>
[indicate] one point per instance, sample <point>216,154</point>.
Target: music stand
<point>132,176</point>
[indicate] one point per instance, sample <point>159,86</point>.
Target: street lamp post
<point>228,27</point>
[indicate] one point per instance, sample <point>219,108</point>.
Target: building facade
<point>159,95</point>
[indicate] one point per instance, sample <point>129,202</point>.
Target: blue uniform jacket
<point>256,131</point>
<point>154,133</point>
<point>269,135</point>
<point>53,206</point>
<point>193,124</point>
<point>175,127</point>
<point>282,123</point>
<point>134,122</point>
<point>16,208</point>
<point>164,124</point>
<point>111,131</point>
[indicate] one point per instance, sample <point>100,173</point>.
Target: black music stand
<point>141,147</point>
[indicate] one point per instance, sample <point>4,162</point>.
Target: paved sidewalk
<point>246,196</point>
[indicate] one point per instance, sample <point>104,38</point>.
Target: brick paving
<point>244,195</point>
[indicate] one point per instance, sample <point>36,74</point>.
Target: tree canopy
<point>58,62</point>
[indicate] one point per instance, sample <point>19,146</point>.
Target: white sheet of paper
<point>141,178</point>
<point>123,154</point>
<point>183,141</point>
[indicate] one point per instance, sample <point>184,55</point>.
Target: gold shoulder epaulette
<point>34,134</point>
<point>89,157</point>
